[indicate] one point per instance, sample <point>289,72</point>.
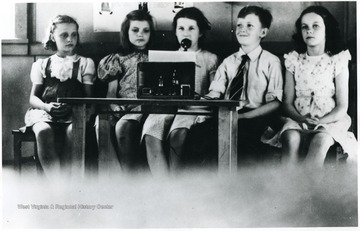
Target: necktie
<point>236,84</point>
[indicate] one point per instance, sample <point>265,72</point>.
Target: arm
<point>53,108</point>
<point>112,93</point>
<point>289,97</point>
<point>341,97</point>
<point>35,98</point>
<point>288,102</point>
<point>89,77</point>
<point>265,109</point>
<point>214,64</point>
<point>88,90</point>
<point>213,94</point>
<point>218,85</point>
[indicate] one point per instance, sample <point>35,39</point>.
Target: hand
<point>212,95</point>
<point>59,109</point>
<point>310,123</point>
<point>115,107</point>
<point>201,119</point>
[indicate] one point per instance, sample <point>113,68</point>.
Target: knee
<point>291,137</point>
<point>125,128</point>
<point>43,131</point>
<point>178,136</point>
<point>322,139</point>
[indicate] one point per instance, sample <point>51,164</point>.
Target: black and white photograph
<point>165,115</point>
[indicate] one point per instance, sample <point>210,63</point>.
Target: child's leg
<point>156,155</point>
<point>318,148</point>
<point>177,140</point>
<point>128,140</point>
<point>291,140</point>
<point>49,159</point>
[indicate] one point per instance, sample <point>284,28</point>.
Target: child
<point>120,71</point>
<point>260,90</point>
<point>189,23</point>
<point>316,89</point>
<point>64,74</point>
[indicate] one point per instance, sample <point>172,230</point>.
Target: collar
<point>315,56</point>
<point>253,55</point>
<point>72,58</point>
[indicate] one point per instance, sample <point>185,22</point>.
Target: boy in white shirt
<point>260,91</point>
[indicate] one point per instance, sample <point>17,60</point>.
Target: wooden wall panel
<point>16,86</point>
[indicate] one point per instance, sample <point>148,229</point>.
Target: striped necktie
<point>236,84</point>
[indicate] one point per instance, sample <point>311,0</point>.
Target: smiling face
<point>313,30</point>
<point>249,31</point>
<point>188,28</point>
<point>139,34</point>
<point>65,36</point>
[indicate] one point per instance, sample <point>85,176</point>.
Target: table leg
<point>78,147</point>
<point>108,161</point>
<point>227,141</point>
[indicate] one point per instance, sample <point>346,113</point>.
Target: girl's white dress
<point>315,95</point>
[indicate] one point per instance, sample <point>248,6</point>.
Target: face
<point>249,30</point>
<point>139,34</point>
<point>65,36</point>
<point>313,29</point>
<point>188,28</point>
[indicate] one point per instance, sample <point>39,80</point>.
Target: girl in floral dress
<point>316,90</point>
<point>120,71</point>
<point>64,74</point>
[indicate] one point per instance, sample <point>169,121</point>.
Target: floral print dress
<point>315,94</point>
<point>123,69</point>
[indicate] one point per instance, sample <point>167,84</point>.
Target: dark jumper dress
<point>53,89</point>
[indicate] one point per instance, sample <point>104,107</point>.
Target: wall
<point>220,40</point>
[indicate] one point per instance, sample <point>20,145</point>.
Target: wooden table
<point>227,128</point>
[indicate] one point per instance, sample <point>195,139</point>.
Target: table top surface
<point>160,102</point>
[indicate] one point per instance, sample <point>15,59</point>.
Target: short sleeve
<point>341,61</point>
<point>37,73</point>
<point>220,80</point>
<point>213,64</point>
<point>109,68</point>
<point>275,83</point>
<point>291,60</point>
<point>88,71</point>
<point>225,71</point>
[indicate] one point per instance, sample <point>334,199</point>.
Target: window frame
<point>20,44</point>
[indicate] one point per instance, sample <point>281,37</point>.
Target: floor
<point>264,196</point>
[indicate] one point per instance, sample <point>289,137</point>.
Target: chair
<point>18,138</point>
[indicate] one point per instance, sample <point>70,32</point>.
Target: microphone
<point>185,43</point>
